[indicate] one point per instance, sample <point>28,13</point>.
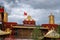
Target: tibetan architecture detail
<point>29,21</point>
<point>5,16</point>
<point>51,19</point>
<point>51,23</point>
<point>27,30</point>
<point>1,16</point>
<point>52,34</point>
<point>4,32</point>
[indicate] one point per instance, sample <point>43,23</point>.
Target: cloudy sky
<point>38,9</point>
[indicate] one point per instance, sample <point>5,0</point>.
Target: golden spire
<point>5,16</point>
<point>51,19</point>
<point>51,13</point>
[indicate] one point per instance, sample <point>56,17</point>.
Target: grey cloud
<point>39,4</point>
<point>47,4</point>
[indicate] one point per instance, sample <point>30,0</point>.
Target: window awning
<point>4,32</point>
<point>52,34</point>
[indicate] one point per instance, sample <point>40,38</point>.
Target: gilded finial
<point>51,13</point>
<point>29,17</point>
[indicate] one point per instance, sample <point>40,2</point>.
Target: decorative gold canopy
<point>29,18</point>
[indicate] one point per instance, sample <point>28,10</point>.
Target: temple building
<point>51,34</point>
<point>1,16</point>
<point>29,21</point>
<point>2,28</point>
<point>51,23</point>
<point>27,29</point>
<point>4,19</point>
<point>4,14</point>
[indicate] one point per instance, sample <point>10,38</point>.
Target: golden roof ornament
<point>51,19</point>
<point>51,14</point>
<point>29,17</point>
